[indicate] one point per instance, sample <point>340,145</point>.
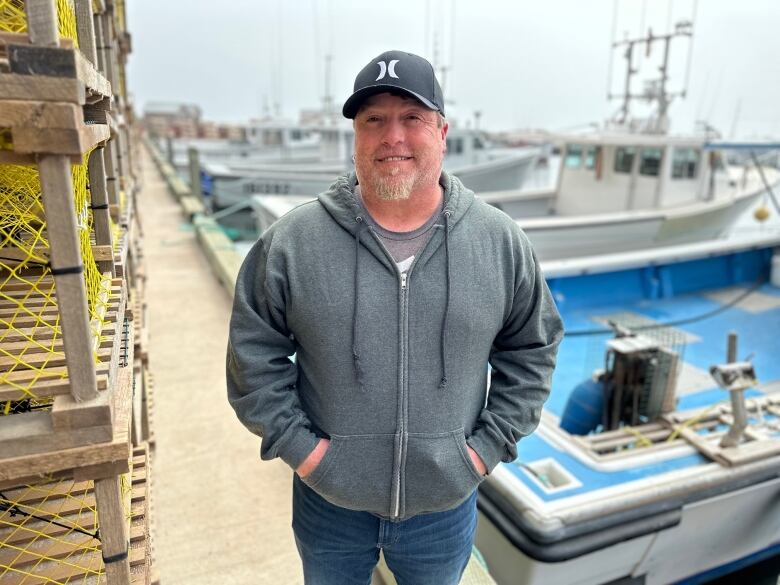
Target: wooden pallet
<point>59,541</point>
<point>140,317</point>
<point>38,127</point>
<point>84,440</point>
<point>136,424</point>
<point>52,100</point>
<point>148,409</point>
<point>49,74</point>
<point>122,250</point>
<point>52,380</point>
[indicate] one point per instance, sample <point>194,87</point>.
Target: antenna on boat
<point>327,100</point>
<point>655,90</point>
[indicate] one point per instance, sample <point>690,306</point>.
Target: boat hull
<point>710,533</point>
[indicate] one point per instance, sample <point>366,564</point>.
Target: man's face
<point>399,146</point>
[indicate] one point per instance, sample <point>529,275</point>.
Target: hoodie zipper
<point>402,438</point>
<point>401,446</point>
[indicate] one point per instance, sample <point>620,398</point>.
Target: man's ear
<point>444,128</point>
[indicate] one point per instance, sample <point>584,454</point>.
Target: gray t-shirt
<point>403,246</point>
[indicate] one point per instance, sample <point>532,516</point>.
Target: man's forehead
<point>387,99</point>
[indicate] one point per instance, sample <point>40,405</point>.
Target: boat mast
<point>655,89</point>
<point>327,100</point>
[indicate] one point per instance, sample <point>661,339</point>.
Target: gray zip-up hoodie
<point>392,368</point>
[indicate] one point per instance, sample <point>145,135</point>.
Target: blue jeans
<point>341,547</point>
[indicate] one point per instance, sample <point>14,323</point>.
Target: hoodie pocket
<point>439,473</point>
<point>355,472</point>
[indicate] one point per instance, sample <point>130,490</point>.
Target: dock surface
<point>221,514</point>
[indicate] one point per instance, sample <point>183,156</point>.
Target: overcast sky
<point>522,63</point>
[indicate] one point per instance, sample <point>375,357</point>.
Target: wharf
<point>222,515</point>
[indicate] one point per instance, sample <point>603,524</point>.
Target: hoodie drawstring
<point>443,381</point>
<point>355,355</point>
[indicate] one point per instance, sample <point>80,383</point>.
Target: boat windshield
<point>684,163</point>
<point>624,159</point>
<point>591,156</point>
<point>573,156</point>
<point>650,163</point>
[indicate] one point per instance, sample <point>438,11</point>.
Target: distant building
<point>179,120</point>
<point>172,119</point>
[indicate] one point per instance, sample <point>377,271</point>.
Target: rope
<point>678,322</point>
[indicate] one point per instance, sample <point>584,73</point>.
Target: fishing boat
<point>657,459</point>
<point>629,185</point>
<point>470,156</point>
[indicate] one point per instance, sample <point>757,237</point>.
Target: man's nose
<point>393,132</point>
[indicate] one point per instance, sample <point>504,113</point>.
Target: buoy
<point>583,409</point>
<point>761,213</point>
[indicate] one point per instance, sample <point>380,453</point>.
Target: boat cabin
<point>283,134</point>
<point>636,172</point>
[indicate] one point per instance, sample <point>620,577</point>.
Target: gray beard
<point>391,189</point>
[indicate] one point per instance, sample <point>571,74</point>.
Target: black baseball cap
<point>396,71</point>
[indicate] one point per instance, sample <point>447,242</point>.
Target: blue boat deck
<point>697,299</point>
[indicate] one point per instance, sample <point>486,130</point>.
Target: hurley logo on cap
<point>418,81</point>
<point>385,68</point>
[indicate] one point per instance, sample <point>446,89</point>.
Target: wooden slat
<point>14,86</point>
<point>71,142</point>
<point>57,192</point>
<point>9,38</point>
<point>42,360</point>
<point>114,454</point>
<point>28,348</point>
<point>31,115</point>
<point>57,62</point>
<point>70,510</point>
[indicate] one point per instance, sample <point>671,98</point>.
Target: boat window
<point>296,135</point>
<point>274,137</point>
<point>573,156</point>
<point>684,163</point>
<point>624,159</point>
<point>478,143</point>
<point>455,145</point>
<point>650,162</point>
<point>591,157</point>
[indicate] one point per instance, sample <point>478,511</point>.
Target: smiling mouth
<point>394,158</point>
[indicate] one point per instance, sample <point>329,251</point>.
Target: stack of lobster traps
<point>74,424</point>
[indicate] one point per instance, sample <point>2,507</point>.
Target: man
<point>394,289</point>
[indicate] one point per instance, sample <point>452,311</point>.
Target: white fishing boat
<point>614,192</point>
<point>630,185</point>
<point>480,165</point>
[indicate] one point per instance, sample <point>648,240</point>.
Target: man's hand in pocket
<point>477,461</point>
<point>313,460</point>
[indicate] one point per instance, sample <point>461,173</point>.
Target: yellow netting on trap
<point>31,349</point>
<point>14,19</point>
<point>120,16</point>
<point>49,533</point>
